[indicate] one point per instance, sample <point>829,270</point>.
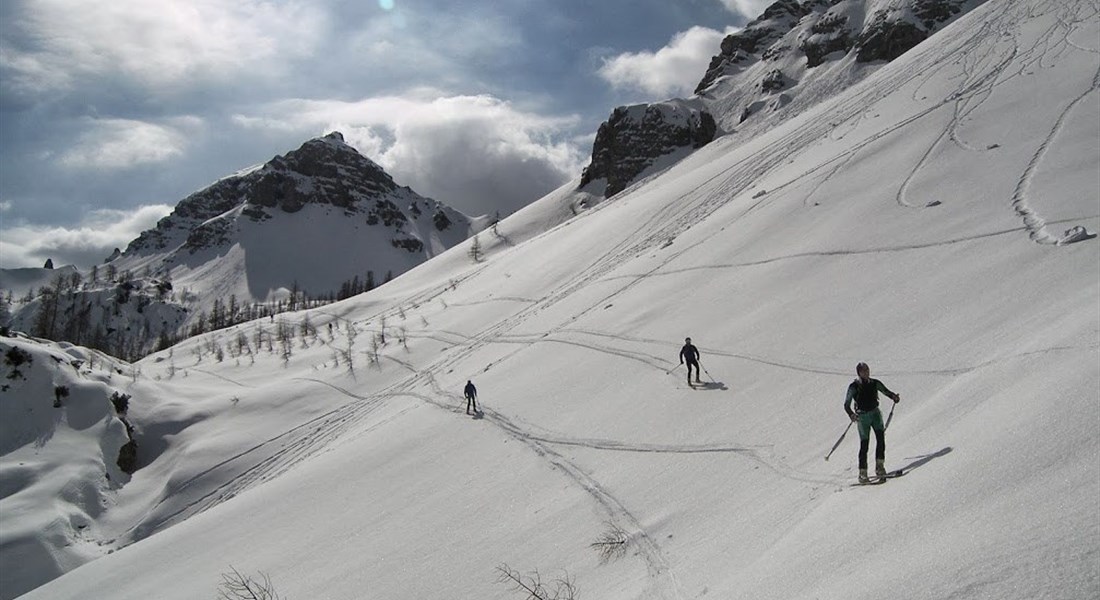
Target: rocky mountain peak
<point>323,170</point>
<point>352,204</point>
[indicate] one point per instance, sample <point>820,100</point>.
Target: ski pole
<point>669,372</point>
<point>887,425</point>
<point>837,444</point>
<point>707,372</point>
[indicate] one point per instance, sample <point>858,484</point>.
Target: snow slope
<point>917,222</point>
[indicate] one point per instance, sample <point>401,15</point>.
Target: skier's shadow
<point>478,415</point>
<point>711,385</point>
<point>920,461</point>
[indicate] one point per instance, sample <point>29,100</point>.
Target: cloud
<point>85,244</point>
<point>123,143</point>
<point>747,8</point>
<point>476,153</point>
<point>153,43</point>
<point>673,70</point>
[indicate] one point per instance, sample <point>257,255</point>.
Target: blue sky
<point>112,112</point>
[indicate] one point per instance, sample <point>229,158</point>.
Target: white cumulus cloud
<point>84,244</point>
<point>747,8</point>
<point>673,70</point>
<point>153,43</point>
<point>122,143</point>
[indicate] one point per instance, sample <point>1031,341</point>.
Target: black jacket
<point>689,353</point>
<point>865,395</point>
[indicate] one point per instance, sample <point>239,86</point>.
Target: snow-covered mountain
<point>936,220</point>
<point>316,216</point>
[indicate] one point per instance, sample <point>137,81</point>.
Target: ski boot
<point>880,469</point>
<point>863,476</point>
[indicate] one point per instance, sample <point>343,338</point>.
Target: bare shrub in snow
<point>372,355</point>
<point>15,358</point>
<point>612,543</point>
<point>59,392</point>
<point>475,250</point>
<point>237,586</point>
<point>285,334</point>
<point>121,402</point>
<point>307,330</point>
<point>350,333</point>
<point>531,586</point>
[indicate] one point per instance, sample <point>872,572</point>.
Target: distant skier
<point>471,396</point>
<point>690,354</point>
<point>864,391</point>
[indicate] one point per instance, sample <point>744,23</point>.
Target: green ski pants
<point>868,421</point>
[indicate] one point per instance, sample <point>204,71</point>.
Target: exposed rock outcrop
<point>758,37</point>
<point>633,137</point>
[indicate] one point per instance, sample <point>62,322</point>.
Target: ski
<point>880,480</point>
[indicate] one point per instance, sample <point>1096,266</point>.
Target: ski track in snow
<point>657,564</point>
<point>1036,225</point>
<point>272,457</point>
<point>661,363</point>
<point>843,252</point>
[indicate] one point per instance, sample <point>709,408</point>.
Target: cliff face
<point>634,137</point>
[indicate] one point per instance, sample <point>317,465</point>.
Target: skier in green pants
<point>864,391</point>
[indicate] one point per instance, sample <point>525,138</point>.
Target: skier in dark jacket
<point>864,392</point>
<point>471,396</point>
<point>690,354</point>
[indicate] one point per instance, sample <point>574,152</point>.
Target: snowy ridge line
<point>1034,223</point>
